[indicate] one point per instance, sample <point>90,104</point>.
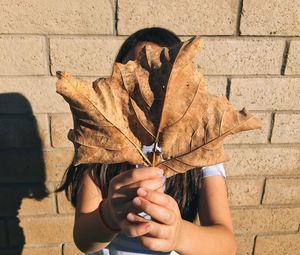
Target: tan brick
<point>60,126</point>
<point>182,17</point>
<point>31,94</point>
<point>282,191</point>
<point>3,239</point>
<point>270,18</point>
<point>24,131</point>
<point>244,244</point>
<point>23,55</point>
<point>84,55</point>
<point>59,17</point>
<point>240,56</point>
<point>264,220</point>
<point>64,205</point>
<point>258,160</point>
<point>71,249</point>
<point>34,165</point>
<point>253,136</point>
<point>216,85</point>
<point>278,244</point>
<point>244,191</point>
<point>26,200</point>
<point>42,124</point>
<point>286,128</point>
<point>48,250</point>
<point>56,162</point>
<point>265,93</point>
<point>293,61</point>
<point>42,230</point>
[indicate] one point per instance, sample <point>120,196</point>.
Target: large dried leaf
<point>160,99</point>
<point>100,116</point>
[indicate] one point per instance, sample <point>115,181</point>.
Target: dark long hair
<point>185,188</point>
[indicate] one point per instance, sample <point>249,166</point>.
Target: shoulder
<point>217,169</point>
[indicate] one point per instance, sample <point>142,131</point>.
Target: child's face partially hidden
<point>133,53</point>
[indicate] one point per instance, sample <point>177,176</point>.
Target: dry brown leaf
<point>100,110</point>
<point>160,99</point>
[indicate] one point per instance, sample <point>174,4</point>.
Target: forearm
<point>215,239</point>
<point>90,234</point>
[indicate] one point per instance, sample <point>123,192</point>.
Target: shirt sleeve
<point>213,170</point>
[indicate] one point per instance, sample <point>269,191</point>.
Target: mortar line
<point>116,17</point>
<point>271,127</point>
<point>48,58</point>
<point>285,57</point>
<point>254,245</point>
<point>50,129</point>
<point>228,88</point>
<point>225,36</point>
<point>238,18</point>
<point>232,76</point>
<point>263,191</point>
<point>55,199</point>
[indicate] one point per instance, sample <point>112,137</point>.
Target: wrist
<point>104,213</point>
<point>181,239</point>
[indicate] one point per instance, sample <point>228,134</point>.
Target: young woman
<point>109,199</point>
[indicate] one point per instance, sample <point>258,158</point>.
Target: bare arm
<point>89,233</point>
<point>215,235</point>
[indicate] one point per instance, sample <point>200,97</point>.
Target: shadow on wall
<point>22,169</point>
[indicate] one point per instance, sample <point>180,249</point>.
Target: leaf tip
<point>62,74</point>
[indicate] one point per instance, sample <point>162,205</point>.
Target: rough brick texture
<point>202,17</point>
<point>41,230</point>
<point>84,55</point>
<point>71,249</point>
<point>282,191</point>
<point>286,128</point>
<point>60,126</point>
<point>293,61</point>
<point>57,17</point>
<point>250,54</point>
<point>278,244</point>
<point>274,17</point>
<point>244,244</point>
<point>243,191</point>
<point>30,94</point>
<point>265,93</point>
<point>264,220</point>
<point>263,161</point>
<point>240,55</point>
<point>48,250</point>
<point>30,58</point>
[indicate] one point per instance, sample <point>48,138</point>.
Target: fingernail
<point>130,216</point>
<point>141,192</point>
<point>137,201</point>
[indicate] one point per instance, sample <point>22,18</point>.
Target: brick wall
<point>251,54</point>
